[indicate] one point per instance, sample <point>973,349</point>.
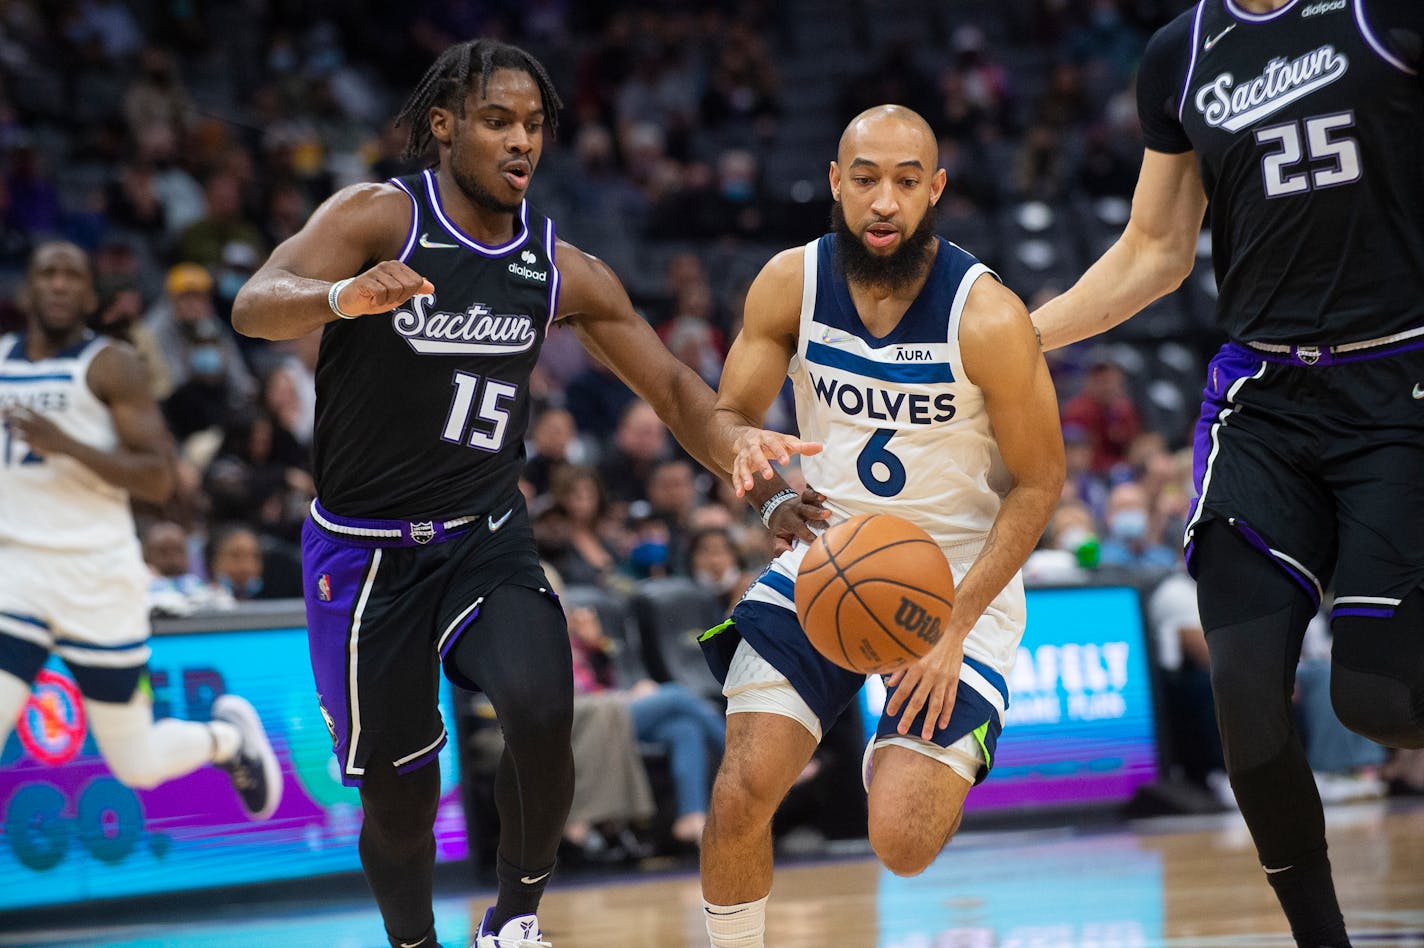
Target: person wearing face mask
<point>234,561</point>
<point>1131,540</point>
<point>186,320</point>
<point>713,562</point>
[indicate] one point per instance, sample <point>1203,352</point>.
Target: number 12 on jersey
<point>484,403</point>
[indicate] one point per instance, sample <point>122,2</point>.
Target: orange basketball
<point>874,593</point>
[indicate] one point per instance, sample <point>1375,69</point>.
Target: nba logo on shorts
<point>323,587</point>
<point>422,533</point>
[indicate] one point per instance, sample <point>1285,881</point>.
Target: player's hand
<point>794,519</point>
<point>930,684</point>
<point>756,448</point>
<point>42,435</point>
<point>381,289</point>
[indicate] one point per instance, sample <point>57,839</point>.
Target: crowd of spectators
<point>179,143</point>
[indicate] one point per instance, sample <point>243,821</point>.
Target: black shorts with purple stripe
<point>1317,458</point>
<point>386,601</point>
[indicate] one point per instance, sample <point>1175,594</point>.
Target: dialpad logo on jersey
<point>522,269</point>
<point>1224,103</point>
<point>477,331</point>
<point>1315,9</point>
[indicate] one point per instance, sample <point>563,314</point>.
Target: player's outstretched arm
<point>142,463</point>
<point>290,295</point>
<point>1002,357</point>
<point>753,374</point>
<point>1151,259</point>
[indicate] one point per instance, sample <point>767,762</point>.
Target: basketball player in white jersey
<point>920,392</point>
<point>81,434</point>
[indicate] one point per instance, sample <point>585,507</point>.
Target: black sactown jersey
<point>421,412</point>
<point>1308,124</point>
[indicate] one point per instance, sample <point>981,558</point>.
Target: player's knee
<point>1377,676</point>
<point>1379,707</point>
<point>743,800</point>
<point>400,808</point>
<point>903,846</point>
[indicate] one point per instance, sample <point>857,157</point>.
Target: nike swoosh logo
<point>495,525</point>
<point>429,244</point>
<point>413,944</point>
<point>1418,391</point>
<point>1213,40</point>
<point>537,879</point>
<point>1271,872</point>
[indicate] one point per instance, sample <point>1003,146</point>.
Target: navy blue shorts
<point>765,620</point>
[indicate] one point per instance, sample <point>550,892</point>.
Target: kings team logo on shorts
<point>326,716</point>
<point>422,533</point>
<point>323,587</point>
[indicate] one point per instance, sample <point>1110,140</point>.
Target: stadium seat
<point>670,613</point>
<point>616,618</point>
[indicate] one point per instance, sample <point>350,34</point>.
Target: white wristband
<point>334,292</point>
<point>775,501</point>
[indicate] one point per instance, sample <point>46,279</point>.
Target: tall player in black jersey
<point>436,291</point>
<point>1303,123</point>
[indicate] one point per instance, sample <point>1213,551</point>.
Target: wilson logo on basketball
<point>913,618</point>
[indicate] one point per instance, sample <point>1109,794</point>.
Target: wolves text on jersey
<point>476,331</point>
<point>1232,106</point>
<point>882,405</point>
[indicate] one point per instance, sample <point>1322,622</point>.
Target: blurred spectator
<point>687,727</point>
<point>260,476</point>
<point>585,558</point>
<point>233,558</point>
<point>1104,409</point>
<point>193,339</point>
<point>120,314</point>
<point>553,441</point>
<point>1069,549</point>
<point>134,202</point>
<point>640,442</point>
<point>107,25</point>
<point>713,561</point>
<point>175,590</point>
<point>1182,656</point>
<point>673,496</point>
<point>1130,540</point>
<point>180,193</point>
<point>223,225</point>
<point>1346,765</point>
<point>34,200</point>
<point>597,399</point>
<point>157,98</point>
<point>692,336</point>
<point>1082,482</point>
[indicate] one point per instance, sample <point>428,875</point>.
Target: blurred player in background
<point>80,435</point>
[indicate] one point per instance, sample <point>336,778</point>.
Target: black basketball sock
<point>424,941</point>
<point>1307,895</point>
<point>519,891</point>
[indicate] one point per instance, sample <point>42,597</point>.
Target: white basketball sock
<point>736,926</point>
<point>226,740</point>
<point>144,753</point>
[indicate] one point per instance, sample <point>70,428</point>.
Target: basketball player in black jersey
<point>435,292</point>
<point>1302,121</point>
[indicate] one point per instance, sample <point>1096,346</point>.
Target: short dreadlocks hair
<point>450,78</point>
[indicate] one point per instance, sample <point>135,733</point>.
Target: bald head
<point>885,180</point>
<point>889,126</point>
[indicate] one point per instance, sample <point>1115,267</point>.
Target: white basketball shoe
<point>522,931</point>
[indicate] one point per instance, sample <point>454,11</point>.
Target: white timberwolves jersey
<point>905,432</point>
<point>56,503</point>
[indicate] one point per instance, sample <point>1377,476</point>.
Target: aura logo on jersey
<point>1224,103</point>
<point>882,404</point>
<point>476,331</point>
